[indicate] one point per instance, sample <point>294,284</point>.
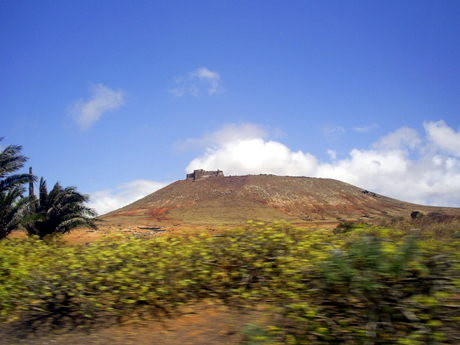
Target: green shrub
<point>345,227</point>
<point>372,284</point>
<point>380,292</point>
<point>117,275</point>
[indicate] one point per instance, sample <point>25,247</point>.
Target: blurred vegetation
<point>359,284</point>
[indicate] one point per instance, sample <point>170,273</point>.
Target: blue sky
<point>120,98</point>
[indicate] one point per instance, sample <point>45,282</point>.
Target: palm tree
<point>59,211</point>
<point>12,204</point>
<point>13,208</point>
<point>10,161</point>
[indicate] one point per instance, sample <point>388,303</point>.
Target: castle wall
<point>201,174</point>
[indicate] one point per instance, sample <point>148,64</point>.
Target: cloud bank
<point>108,200</point>
<point>443,137</point>
<point>198,82</point>
<point>433,178</point>
<point>102,100</point>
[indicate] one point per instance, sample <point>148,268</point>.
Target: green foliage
<point>12,204</point>
<point>116,275</point>
<point>58,212</point>
<point>326,288</point>
<point>343,228</point>
<point>381,291</point>
<point>11,161</point>
<point>12,208</point>
<point>257,335</point>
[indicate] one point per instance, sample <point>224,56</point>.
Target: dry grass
<point>434,224</point>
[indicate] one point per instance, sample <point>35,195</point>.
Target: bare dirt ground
<point>203,323</point>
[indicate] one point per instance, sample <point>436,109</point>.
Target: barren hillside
<point>232,200</point>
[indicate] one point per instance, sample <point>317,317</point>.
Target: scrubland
<point>382,283</point>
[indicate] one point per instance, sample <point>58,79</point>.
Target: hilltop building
<point>201,174</point>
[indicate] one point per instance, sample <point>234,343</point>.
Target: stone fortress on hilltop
<point>201,174</point>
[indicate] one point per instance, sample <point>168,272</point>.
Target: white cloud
<point>365,128</point>
<point>213,78</point>
<point>443,137</point>
<point>102,99</point>
<point>255,156</point>
<point>332,154</point>
<point>387,168</point>
<point>402,138</point>
<point>242,149</point>
<point>108,200</point>
<point>197,82</point>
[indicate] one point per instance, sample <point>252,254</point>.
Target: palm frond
<point>15,180</point>
<point>61,210</point>
<point>12,206</point>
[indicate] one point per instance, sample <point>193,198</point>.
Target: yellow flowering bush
<point>364,284</point>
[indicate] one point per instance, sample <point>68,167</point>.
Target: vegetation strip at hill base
<point>364,284</point>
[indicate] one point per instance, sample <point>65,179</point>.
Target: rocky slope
<point>232,200</point>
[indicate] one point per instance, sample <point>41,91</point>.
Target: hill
<point>232,200</point>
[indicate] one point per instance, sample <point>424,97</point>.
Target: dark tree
<point>13,207</point>
<point>59,211</point>
<point>12,203</point>
<point>11,161</point>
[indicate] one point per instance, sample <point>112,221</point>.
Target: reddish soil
<point>203,323</point>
